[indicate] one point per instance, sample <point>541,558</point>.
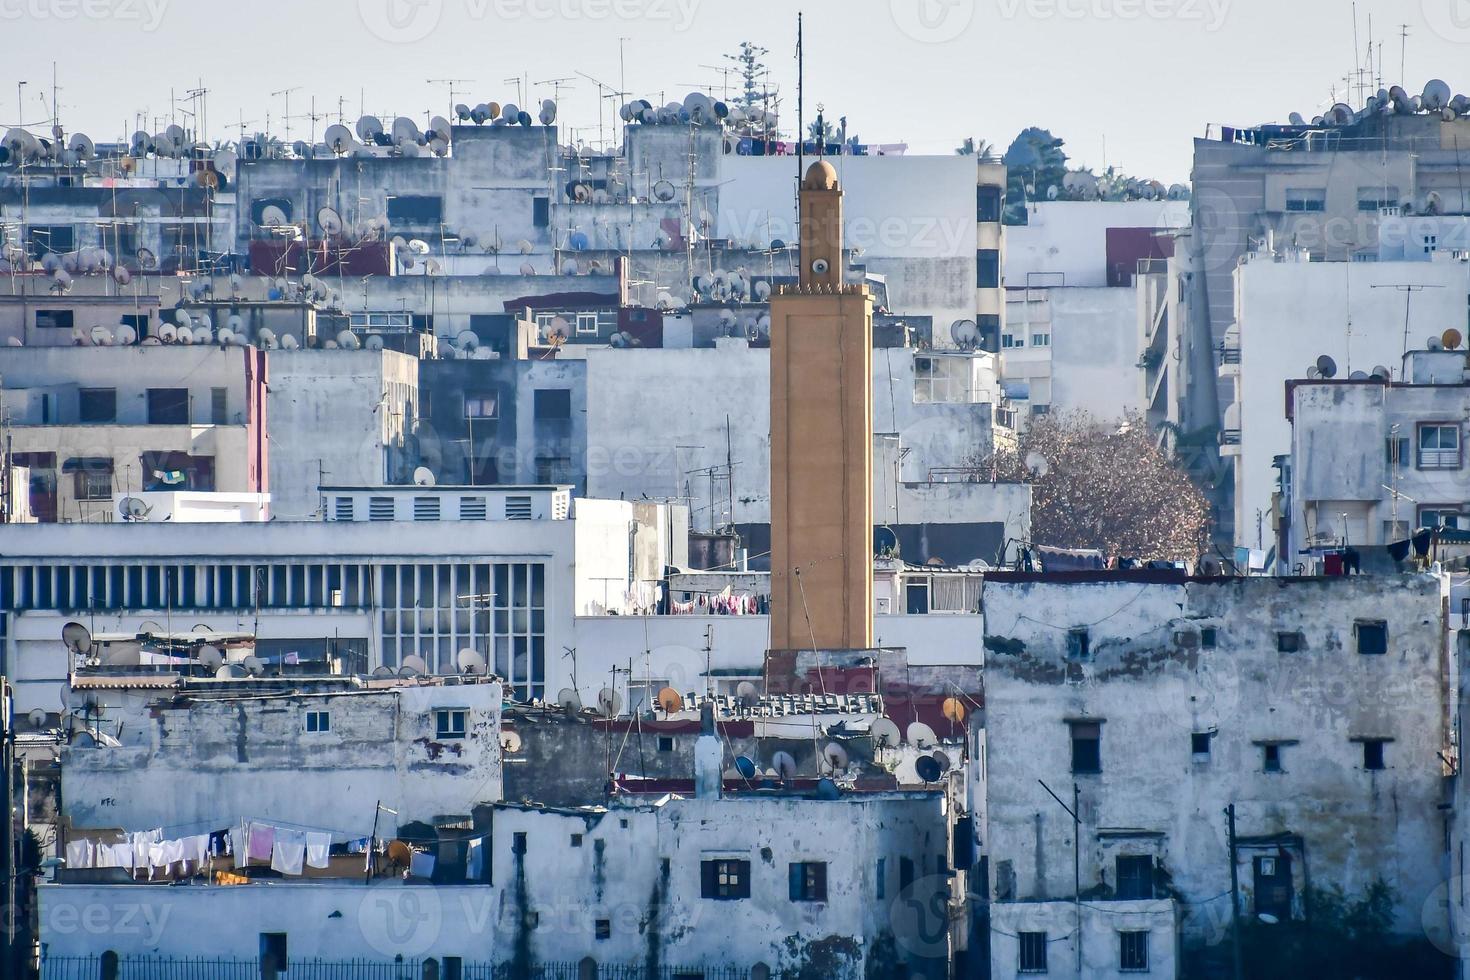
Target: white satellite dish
<point>211,657</point>
<point>271,216</point>
<point>470,661</point>
<point>423,477</point>
<point>37,717</point>
<point>569,699</point>
<point>921,735</point>
<point>785,764</point>
<point>76,638</point>
<point>330,222</point>
<point>369,128</point>
<point>884,732</point>
<point>254,666</point>
<point>609,701</point>
<point>510,742</point>
<point>834,758</point>
<point>417,663</point>
<point>133,509</point>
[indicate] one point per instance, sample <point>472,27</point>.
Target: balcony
<point>1229,361</point>
<point>1229,442</point>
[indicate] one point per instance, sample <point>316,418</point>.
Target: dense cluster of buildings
<point>481,555</point>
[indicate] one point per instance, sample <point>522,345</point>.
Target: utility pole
<point>1234,892</point>
<point>11,920</point>
<point>1073,811</point>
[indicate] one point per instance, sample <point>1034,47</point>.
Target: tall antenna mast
<point>800,91</point>
<point>1403,47</point>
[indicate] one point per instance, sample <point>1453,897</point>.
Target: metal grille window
<point>380,509</point>
<point>343,509</point>
<point>518,508</point>
<point>1033,952</point>
<point>472,508</point>
<point>426,508</point>
<point>1133,951</point>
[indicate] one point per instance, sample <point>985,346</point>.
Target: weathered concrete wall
<point>1150,681</point>
<point>1100,928</point>
<point>203,764</point>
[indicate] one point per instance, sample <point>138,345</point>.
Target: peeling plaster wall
<point>1150,685</point>
<point>636,867</point>
<point>204,764</point>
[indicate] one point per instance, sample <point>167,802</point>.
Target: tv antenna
<point>604,92</point>
<point>286,116</point>
<point>453,90</point>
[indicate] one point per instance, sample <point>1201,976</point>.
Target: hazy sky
<point>1135,79</point>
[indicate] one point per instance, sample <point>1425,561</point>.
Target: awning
<point>99,464</point>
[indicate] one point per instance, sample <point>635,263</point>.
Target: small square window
<point>451,722</point>
<point>1271,758</point>
<point>1079,643</point>
<point>1373,753</point>
<point>1199,743</point>
<point>623,823</point>
<point>318,721</point>
<point>1133,951</point>
<point>1135,876</point>
<point>808,881</point>
<point>1372,636</point>
<point>1288,642</point>
<point>604,929</point>
<point>725,879</point>
<point>1033,952</point>
<point>1209,637</point>
<point>576,840</point>
<point>665,743</point>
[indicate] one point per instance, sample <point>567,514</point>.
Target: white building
<point>1304,703</point>
<point>1086,244</point>
<point>1361,315</point>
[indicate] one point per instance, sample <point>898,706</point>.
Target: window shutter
<point>794,875</point>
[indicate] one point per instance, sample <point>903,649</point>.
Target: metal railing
<point>105,967</point>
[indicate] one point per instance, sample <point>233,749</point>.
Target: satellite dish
<point>1381,373</point>
<point>965,334</point>
<point>133,509</point>
<point>470,661</point>
<point>670,700</point>
<point>510,741</point>
<point>417,663</point>
<point>37,717</point>
<point>954,710</point>
<point>569,699</point>
<point>928,768</point>
<point>785,764</point>
<point>1326,366</point>
<point>423,477</point>
<point>330,222</point>
<point>1434,343</point>
<point>1036,464</point>
<point>231,672</point>
<point>399,854</point>
<point>663,190</point>
<point>921,735</point>
<point>834,757</point>
<point>271,216</point>
<point>1451,339</point>
<point>254,665</point>
<point>146,259</point>
<point>745,766</point>
<point>748,693</point>
<point>369,128</point>
<point>884,732</point>
<point>609,701</point>
<point>76,638</point>
<point>1313,374</point>
<point>374,343</point>
<point>210,656</point>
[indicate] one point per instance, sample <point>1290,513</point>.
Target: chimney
<point>709,758</point>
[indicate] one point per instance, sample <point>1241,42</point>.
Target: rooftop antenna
<point>604,92</point>
<point>1403,48</point>
<point>800,119</point>
<point>286,93</point>
<point>452,82</point>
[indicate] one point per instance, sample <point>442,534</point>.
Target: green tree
<point>1034,159</point>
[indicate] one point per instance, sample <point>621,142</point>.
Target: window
<point>1288,642</point>
<point>1133,951</point>
<point>93,477</point>
<point>1209,637</point>
<point>808,881</point>
<point>318,721</point>
<point>273,953</point>
<point>586,324</point>
<point>553,469</point>
<point>665,743</point>
<point>450,722</point>
<point>50,238</point>
<point>604,929</point>
<point>481,406</point>
<point>54,319</point>
<point>724,879</point>
<point>1273,891</point>
<point>1271,757</point>
<point>916,597</point>
<point>1396,452</point>
<point>552,403</point>
<point>1373,753</point>
<point>905,873</point>
<point>1306,199</point>
<point>1033,952</point>
<point>1372,635</point>
<point>453,968</point>
<point>518,842</point>
<point>1135,876</point>
<point>380,508</point>
<point>415,209</point>
<point>1086,747</point>
<point>987,268</point>
<point>1079,643</point>
<point>881,885</point>
<point>97,405</point>
<point>219,405</point>
<point>1439,446</point>
<point>1371,200</point>
<point>168,406</point>
<point>987,203</point>
<point>576,840</point>
<point>1041,340</point>
<point>540,211</point>
<point>1040,410</point>
<point>1199,745</point>
<point>1438,516</point>
<point>1008,342</point>
<point>1431,244</point>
